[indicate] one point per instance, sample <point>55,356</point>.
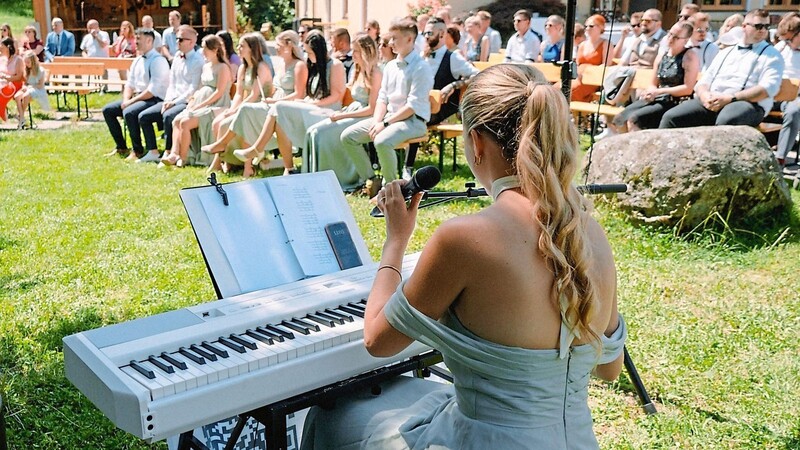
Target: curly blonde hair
<point>529,119</point>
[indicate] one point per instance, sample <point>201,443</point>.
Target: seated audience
<point>147,85</point>
<point>290,85</point>
<point>495,40</point>
<point>739,86</point>
<point>688,11</point>
<point>673,82</point>
<point>170,42</point>
<point>33,43</point>
<point>340,45</point>
<point>147,23</point>
<point>95,42</point>
<point>12,77</point>
<point>477,42</point>
<point>253,84</point>
<point>553,45</point>
<point>731,22</point>
<point>707,49</point>
<point>289,120</point>
<point>578,38</point>
<point>323,138</point>
<point>124,46</point>
<point>789,48</point>
<point>212,97</point>
<point>593,51</point>
<point>233,59</point>
<point>452,39</point>
<point>385,50</point>
<point>402,110</point>
<point>523,46</point>
<point>520,298</point>
<point>629,37</point>
<point>59,42</point>
<point>373,29</point>
<point>643,55</point>
<point>34,89</point>
<point>184,80</point>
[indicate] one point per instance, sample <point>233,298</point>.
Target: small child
<point>33,88</point>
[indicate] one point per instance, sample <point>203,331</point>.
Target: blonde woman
<point>552,48</point>
<point>253,84</point>
<point>323,140</point>
<point>213,96</point>
<point>33,88</point>
<point>520,297</point>
<point>477,42</point>
<point>124,46</point>
<point>290,85</point>
<point>289,120</point>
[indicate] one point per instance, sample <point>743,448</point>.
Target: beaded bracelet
<point>387,266</point>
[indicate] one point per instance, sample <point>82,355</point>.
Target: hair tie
<point>532,85</point>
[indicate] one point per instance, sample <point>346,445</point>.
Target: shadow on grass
<point>793,441</point>
<point>18,283</point>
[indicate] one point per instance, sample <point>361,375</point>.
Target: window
<point>733,5</point>
<point>170,3</point>
<point>782,4</point>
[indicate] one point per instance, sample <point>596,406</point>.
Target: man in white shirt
<point>652,40</point>
<point>705,48</point>
<point>495,40</point>
<point>169,41</point>
<point>402,108</point>
<point>739,86</point>
<point>629,36</point>
<point>523,46</point>
<point>789,48</point>
<point>147,84</point>
<point>341,50</point>
<point>184,80</point>
<point>147,22</point>
<point>95,41</point>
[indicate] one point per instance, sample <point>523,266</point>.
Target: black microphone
<point>424,179</point>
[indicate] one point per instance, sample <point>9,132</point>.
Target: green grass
<point>87,241</point>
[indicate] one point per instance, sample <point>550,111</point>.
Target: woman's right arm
<point>484,56</point>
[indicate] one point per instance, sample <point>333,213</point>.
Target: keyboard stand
<point>273,416</point>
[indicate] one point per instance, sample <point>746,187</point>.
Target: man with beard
<point>451,73</point>
<point>650,41</point>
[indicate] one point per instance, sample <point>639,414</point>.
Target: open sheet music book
<point>271,232</point>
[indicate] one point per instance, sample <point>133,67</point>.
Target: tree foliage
<point>278,12</point>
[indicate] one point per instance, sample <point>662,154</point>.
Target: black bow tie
<point>745,47</point>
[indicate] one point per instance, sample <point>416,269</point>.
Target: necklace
<point>503,184</point>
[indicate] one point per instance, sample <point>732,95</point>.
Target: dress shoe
<point>149,157</point>
<point>606,133</point>
<point>247,154</point>
<point>120,151</point>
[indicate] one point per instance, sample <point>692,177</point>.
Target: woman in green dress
<point>213,96</point>
<point>253,83</point>
<point>323,140</point>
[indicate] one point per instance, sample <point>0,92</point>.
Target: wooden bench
<point>593,76</point>
<point>788,92</point>
<point>65,78</point>
<point>118,64</point>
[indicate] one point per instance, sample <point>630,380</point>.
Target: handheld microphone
<point>423,180</point>
<point>602,188</point>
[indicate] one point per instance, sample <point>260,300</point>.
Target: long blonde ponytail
<point>530,120</point>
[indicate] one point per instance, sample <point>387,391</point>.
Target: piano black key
<point>192,356</point>
<point>231,345</point>
<point>207,355</point>
<point>271,334</point>
<point>160,365</point>
<point>179,364</point>
<point>321,320</point>
<point>242,341</point>
<point>327,316</point>
<point>282,332</point>
<point>363,301</point>
<point>214,349</point>
<point>147,373</point>
<point>338,314</point>
<point>265,339</point>
<point>358,306</point>
<point>353,311</point>
<point>295,327</point>
<point>306,324</point>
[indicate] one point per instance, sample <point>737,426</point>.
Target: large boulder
<point>685,175</point>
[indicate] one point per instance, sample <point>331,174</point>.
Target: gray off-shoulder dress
<point>502,397</point>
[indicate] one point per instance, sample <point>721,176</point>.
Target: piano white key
<point>194,376</point>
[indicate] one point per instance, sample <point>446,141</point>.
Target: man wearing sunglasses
<point>629,36</point>
<point>651,39</point>
<point>523,46</point>
<point>739,86</point>
<point>705,48</point>
<point>789,48</point>
<point>687,11</point>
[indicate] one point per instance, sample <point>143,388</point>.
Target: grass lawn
<point>87,241</point>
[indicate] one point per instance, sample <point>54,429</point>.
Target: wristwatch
<point>385,123</point>
<point>734,98</point>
